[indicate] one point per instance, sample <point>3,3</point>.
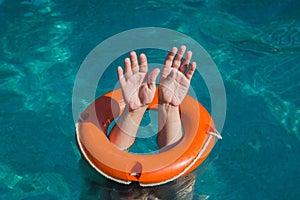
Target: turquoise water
<point>255,44</point>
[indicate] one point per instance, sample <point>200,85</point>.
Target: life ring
<point>149,169</point>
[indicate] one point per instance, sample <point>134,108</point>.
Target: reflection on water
<point>279,77</point>
<point>286,112</point>
<point>32,46</point>
<point>32,186</point>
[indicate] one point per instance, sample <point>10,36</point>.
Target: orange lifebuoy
<point>149,169</point>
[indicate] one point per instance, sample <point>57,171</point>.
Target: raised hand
<point>175,78</point>
<point>137,86</point>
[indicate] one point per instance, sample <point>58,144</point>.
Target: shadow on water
<point>97,187</point>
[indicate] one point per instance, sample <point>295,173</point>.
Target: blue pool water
<point>255,44</point>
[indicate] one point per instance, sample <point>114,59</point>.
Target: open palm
<point>174,82</point>
<point>138,88</point>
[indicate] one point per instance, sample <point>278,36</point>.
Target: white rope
<point>216,134</point>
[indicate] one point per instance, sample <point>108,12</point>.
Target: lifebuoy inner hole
<point>145,142</point>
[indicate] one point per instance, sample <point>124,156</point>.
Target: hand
<point>174,82</point>
<point>138,88</point>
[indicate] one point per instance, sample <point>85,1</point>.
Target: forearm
<point>124,132</point>
<point>169,125</point>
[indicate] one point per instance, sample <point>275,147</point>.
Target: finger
<point>121,76</point>
<point>152,78</point>
<point>134,62</point>
<point>191,71</point>
<point>128,72</point>
<point>144,64</point>
<point>178,57</point>
<point>186,61</point>
<point>169,58</point>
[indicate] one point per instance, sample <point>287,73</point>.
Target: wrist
<point>129,120</point>
<point>165,99</point>
<point>167,105</point>
<point>136,111</point>
<point>167,112</point>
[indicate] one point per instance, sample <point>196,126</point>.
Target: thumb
<point>152,78</point>
<point>121,76</point>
